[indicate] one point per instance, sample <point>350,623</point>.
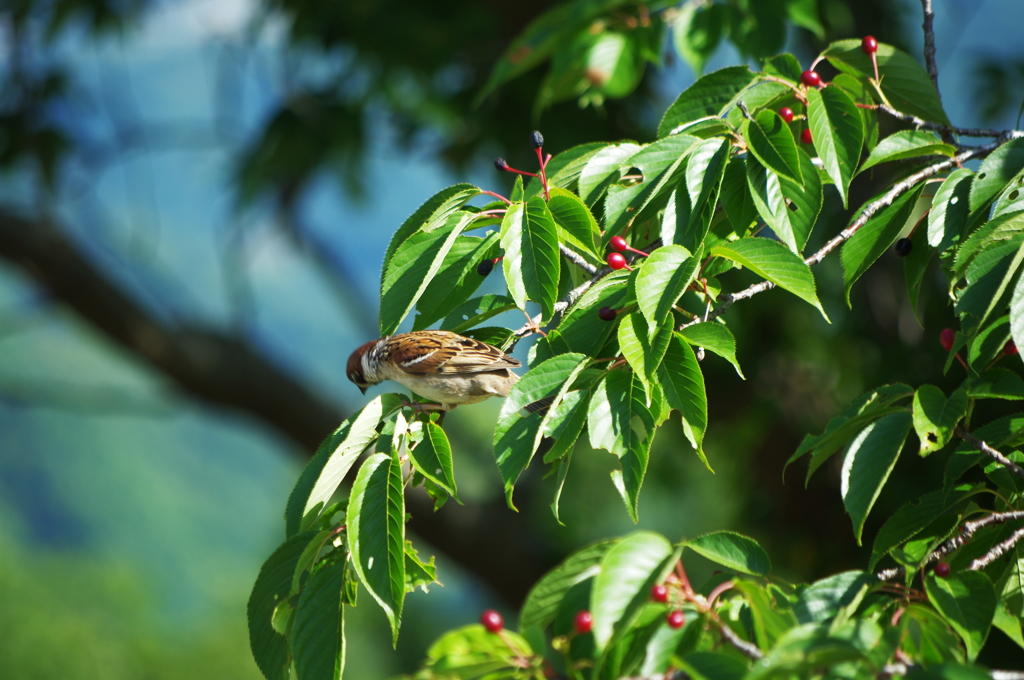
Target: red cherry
<point>1011,348</point>
<point>676,619</point>
<point>810,78</point>
<point>806,137</point>
<point>942,570</point>
<point>869,45</point>
<point>659,593</point>
<point>583,622</point>
<point>787,114</point>
<point>618,243</point>
<point>492,621</point>
<point>607,314</point>
<point>946,338</point>
<point>616,260</point>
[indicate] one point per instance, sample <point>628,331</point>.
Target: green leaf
<point>602,169</point>
<point>334,458</point>
<point>736,199</point>
<point>714,337</point>
<point>875,237</point>
<point>432,458</point>
<point>927,637</point>
<point>662,280</point>
<point>1017,313</point>
<point>529,238</point>
<point>455,280</point>
<point>905,83</point>
<point>376,526</point>
<point>804,13</point>
<point>996,383</point>
<point>530,48</point>
<point>967,601</point>
<point>789,208</point>
<point>775,262</point>
<point>474,312</point>
<point>711,95</point>
<point>770,623</point>
<point>1001,166</point>
<point>838,134</point>
<point>907,144</point>
<point>434,213</point>
<point>643,351</point>
<point>516,437</point>
<point>473,652</point>
<point>910,519</point>
<point>564,422</point>
<point>949,211</point>
<point>840,428</point>
<point>733,551</point>
<point>613,405</point>
<point>683,383</point>
<point>824,599</point>
<point>543,600</point>
<point>697,31</point>
<point>415,263</point>
<point>318,633</point>
<point>658,163</point>
<point>784,66</point>
<point>771,141</point>
<point>418,574</point>
<point>869,459</point>
<point>935,416</point>
<point>989,343</point>
<point>582,330</point>
<point>705,169</point>
<point>577,228</point>
<point>628,571</point>
<point>713,666</point>
<point>915,266</point>
<point>614,66</point>
<point>274,583</point>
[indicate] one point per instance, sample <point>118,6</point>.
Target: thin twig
<point>577,260</point>
<point>866,214</point>
<point>998,551</point>
<point>929,44</point>
<point>743,108</point>
<point>570,298</point>
<point>989,451</point>
<point>938,127</point>
<point>748,649</point>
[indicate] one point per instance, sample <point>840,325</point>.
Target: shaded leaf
<point>935,416</point>
<point>711,95</point>
<point>869,459</point>
<point>967,601</point>
<point>733,551</point>
<point>771,141</point>
<point>318,633</point>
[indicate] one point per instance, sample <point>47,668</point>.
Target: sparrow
<point>442,366</point>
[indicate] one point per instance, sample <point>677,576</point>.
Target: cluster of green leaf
<point>726,186</point>
<point>739,624</point>
<point>600,49</point>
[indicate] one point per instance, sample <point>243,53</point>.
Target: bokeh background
<point>195,200</point>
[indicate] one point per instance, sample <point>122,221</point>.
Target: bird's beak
<point>363,389</point>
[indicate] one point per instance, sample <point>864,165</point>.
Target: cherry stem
<point>962,362</point>
<point>491,193</point>
<point>721,588</point>
<point>918,223</point>
<point>874,62</point>
<point>509,168</point>
<point>543,173</point>
<point>638,252</point>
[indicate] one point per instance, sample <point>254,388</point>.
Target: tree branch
<point>989,451</point>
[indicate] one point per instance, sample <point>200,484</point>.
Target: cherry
<point>806,137</point>
<point>501,164</point>
<point>946,338</point>
<point>1010,348</point>
<point>607,314</point>
<point>659,593</point>
<point>676,619</point>
<point>810,78</point>
<point>616,260</point>
<point>492,621</point>
<point>583,622</point>
<point>787,114</point>
<point>537,139</point>
<point>618,243</point>
<point>485,267</point>
<point>903,247</point>
<point>942,570</point>
<point>869,45</point>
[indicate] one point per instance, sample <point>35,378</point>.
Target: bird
<point>442,366</point>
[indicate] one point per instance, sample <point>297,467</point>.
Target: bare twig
<point>750,650</point>
<point>929,43</point>
<point>989,451</point>
<point>577,259</point>
<point>998,551</point>
<point>938,127</point>
<point>866,214</point>
<point>743,108</point>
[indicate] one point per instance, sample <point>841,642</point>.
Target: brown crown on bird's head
<point>355,366</point>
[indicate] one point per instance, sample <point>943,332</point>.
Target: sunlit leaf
<point>838,134</point>
<point>775,262</point>
<point>869,459</point>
